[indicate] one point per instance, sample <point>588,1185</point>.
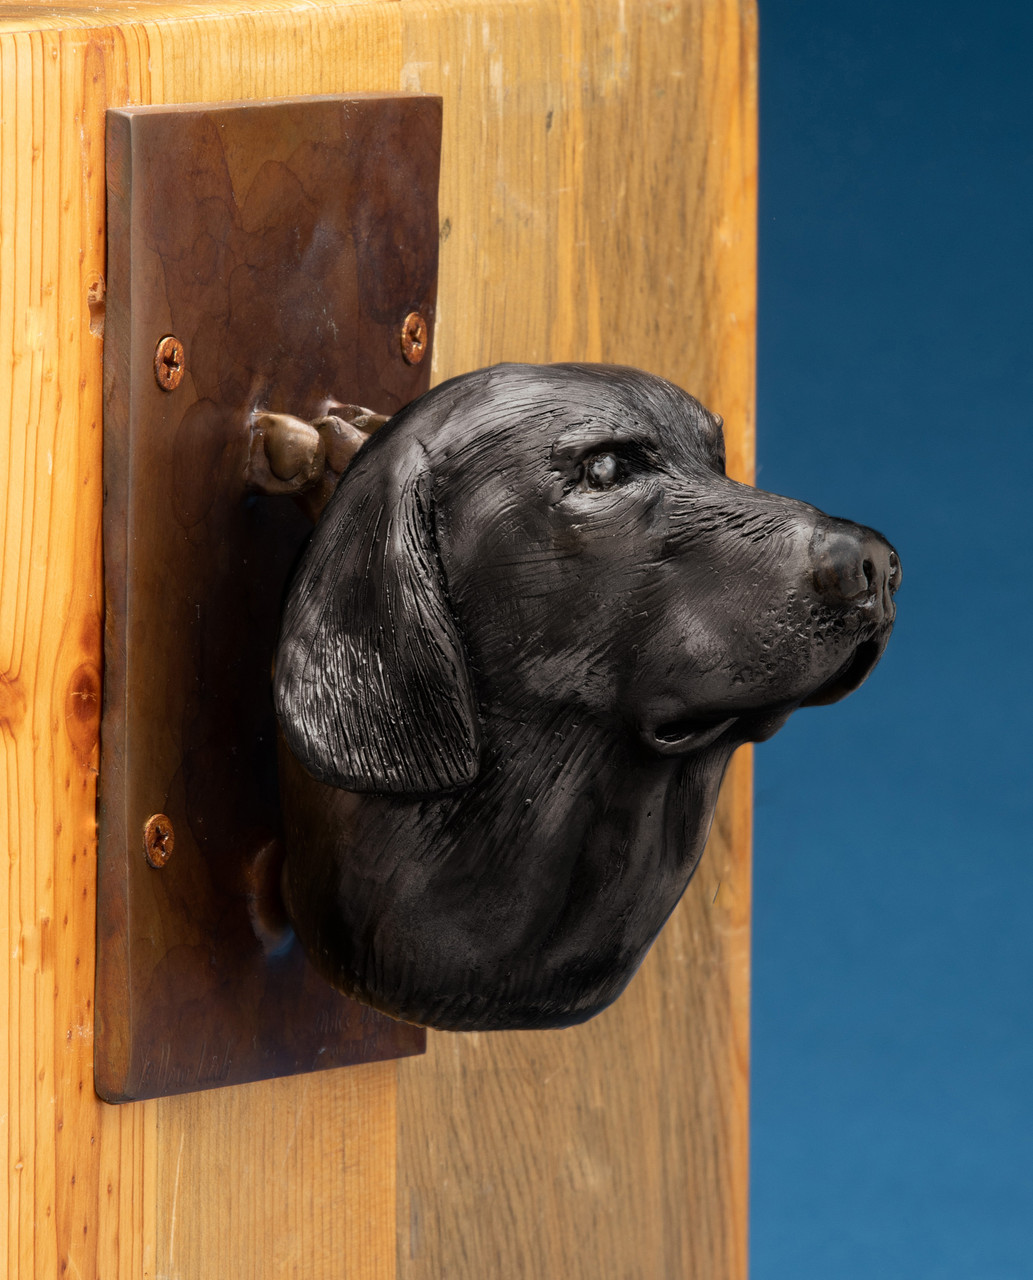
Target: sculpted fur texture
<point>531,627</point>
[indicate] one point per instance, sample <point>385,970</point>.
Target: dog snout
<point>853,566</point>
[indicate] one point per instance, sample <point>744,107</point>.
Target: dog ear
<point>372,687</point>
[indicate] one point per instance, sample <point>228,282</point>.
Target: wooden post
<point>597,203</point>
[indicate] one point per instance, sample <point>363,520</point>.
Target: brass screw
<point>414,338</point>
<point>169,363</point>
<point>158,839</point>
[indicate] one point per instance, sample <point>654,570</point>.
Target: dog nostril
<point>895,571</point>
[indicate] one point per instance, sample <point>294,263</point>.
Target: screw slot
<point>414,337</point>
<point>169,363</point>
<point>159,839</point>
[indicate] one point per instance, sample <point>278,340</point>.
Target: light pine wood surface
<point>597,202</point>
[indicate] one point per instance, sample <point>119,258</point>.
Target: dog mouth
<point>849,677</point>
<point>681,737</point>
<point>676,737</point>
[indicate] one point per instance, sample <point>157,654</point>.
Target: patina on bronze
<point>532,625</point>
<point>272,250</point>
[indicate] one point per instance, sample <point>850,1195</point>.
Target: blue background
<point>893,954</point>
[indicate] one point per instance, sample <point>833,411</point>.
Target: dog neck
<point>527,899</point>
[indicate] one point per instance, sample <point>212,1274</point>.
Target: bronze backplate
<point>283,244</point>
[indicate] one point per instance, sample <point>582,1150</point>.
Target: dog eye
<point>601,472</point>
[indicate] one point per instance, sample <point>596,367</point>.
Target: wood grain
<point>597,202</point>
<point>617,1149</point>
<point>229,1208</point>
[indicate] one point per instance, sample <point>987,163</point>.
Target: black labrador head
<point>535,619</point>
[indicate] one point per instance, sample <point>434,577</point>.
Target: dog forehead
<point>508,414</point>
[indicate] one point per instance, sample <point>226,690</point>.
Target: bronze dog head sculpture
<point>532,626</point>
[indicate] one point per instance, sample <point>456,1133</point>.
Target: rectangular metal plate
<point>282,243</point>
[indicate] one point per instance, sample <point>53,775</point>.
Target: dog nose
<point>852,564</point>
